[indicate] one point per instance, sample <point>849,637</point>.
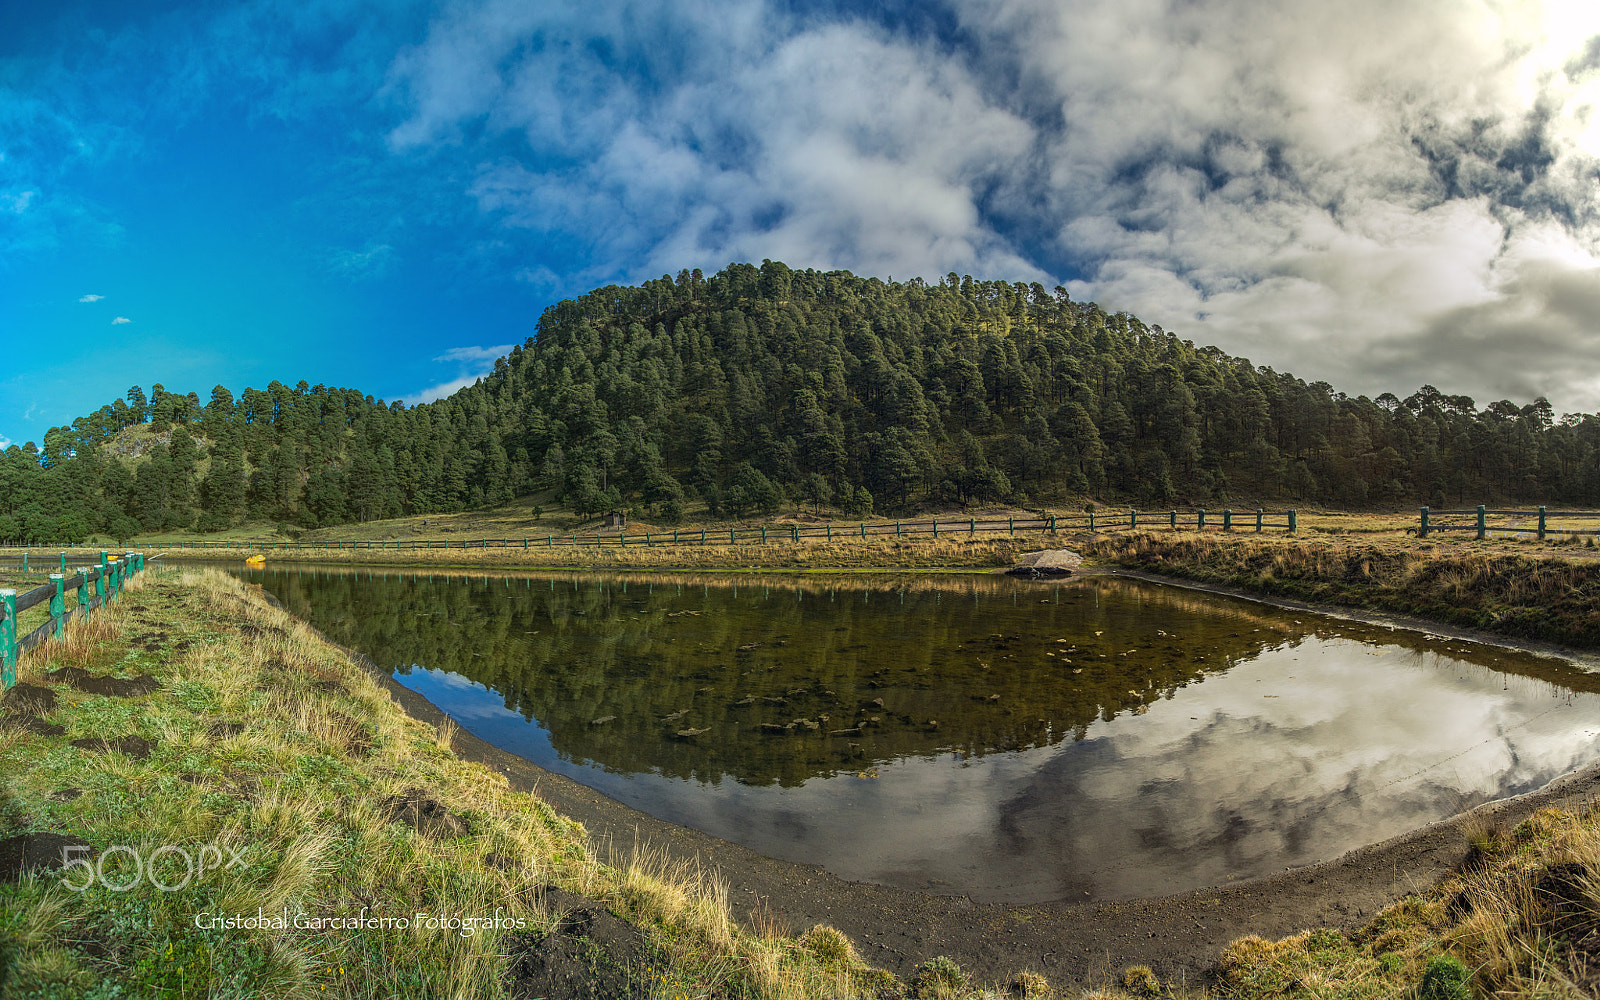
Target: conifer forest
<point>761,389</point>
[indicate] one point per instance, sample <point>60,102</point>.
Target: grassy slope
<point>1524,590</point>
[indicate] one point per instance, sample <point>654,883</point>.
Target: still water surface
<point>1010,740</point>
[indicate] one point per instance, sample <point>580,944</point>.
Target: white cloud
<point>1373,195</point>
<point>17,202</point>
<point>473,362</point>
<point>743,136</point>
<point>373,261</point>
<point>90,298</point>
<point>5,442</point>
<point>475,354</point>
<point>440,391</point>
<point>120,320</point>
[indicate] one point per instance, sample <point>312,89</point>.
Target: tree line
<point>761,388</point>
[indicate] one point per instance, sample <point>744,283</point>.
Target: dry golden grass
<point>1523,917</point>
<point>879,552</point>
<point>1526,591</point>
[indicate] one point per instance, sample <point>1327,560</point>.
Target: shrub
<point>1445,978</point>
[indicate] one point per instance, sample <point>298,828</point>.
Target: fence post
<point>8,639</point>
<point>1294,526</point>
<point>1200,521</point>
<point>1482,533</point>
<point>1174,516</point>
<point>863,529</point>
<point>1052,525</point>
<point>1091,520</point>
<point>794,533</point>
<point>972,526</point>
<point>84,604</point>
<point>1258,520</point>
<point>674,536</point>
<point>58,604</point>
<point>1227,519</point>
<point>622,539</point>
<point>1541,524</point>
<point>1133,518</point>
<point>24,561</point>
<point>702,536</point>
<point>732,538</point>
<point>1422,531</point>
<point>935,527</point>
<point>100,584</point>
<point>63,564</point>
<point>897,529</point>
<point>1011,523</point>
<point>763,534</point>
<point>830,531</point>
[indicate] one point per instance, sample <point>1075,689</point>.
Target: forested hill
<point>763,386</point>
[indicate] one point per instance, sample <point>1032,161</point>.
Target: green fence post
<point>1294,526</point>
<point>936,527</point>
<point>674,536</point>
<point>1091,520</point>
<point>1174,520</point>
<point>1482,531</point>
<point>622,539</point>
<point>897,529</point>
<point>732,539</point>
<point>84,604</point>
<point>58,604</point>
<point>1541,524</point>
<point>100,583</point>
<point>1422,531</point>
<point>702,536</point>
<point>1052,524</point>
<point>1133,518</point>
<point>8,639</point>
<point>830,531</point>
<point>763,534</point>
<point>1227,519</point>
<point>24,562</point>
<point>1200,521</point>
<point>1258,520</point>
<point>524,543</point>
<point>1011,523</point>
<point>863,529</point>
<point>63,564</point>
<point>794,533</point>
<point>972,526</point>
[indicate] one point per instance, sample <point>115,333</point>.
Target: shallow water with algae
<point>1010,740</point>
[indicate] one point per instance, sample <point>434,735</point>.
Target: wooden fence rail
<point>1199,520</point>
<point>1479,523</point>
<point>96,585</point>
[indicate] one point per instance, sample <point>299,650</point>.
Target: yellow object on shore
<point>256,561</point>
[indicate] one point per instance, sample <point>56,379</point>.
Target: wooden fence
<point>1198,520</point>
<point>1478,521</point>
<point>96,584</point>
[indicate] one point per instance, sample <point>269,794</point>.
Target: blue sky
<point>386,195</point>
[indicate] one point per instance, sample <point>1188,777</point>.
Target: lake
<point>1010,740</point>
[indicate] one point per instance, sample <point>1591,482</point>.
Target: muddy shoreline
<point>1073,944</point>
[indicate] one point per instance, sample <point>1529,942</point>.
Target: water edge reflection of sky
<point>1307,739</point>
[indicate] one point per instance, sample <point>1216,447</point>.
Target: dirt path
<point>1179,936</point>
